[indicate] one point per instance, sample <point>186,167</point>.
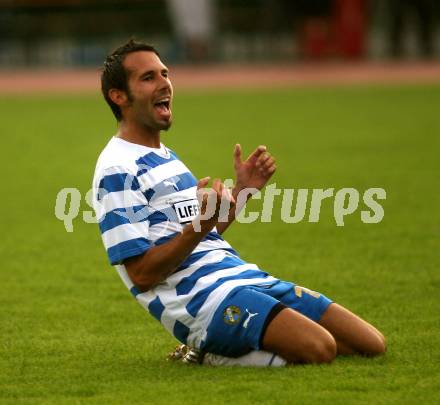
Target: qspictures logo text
<point>296,205</point>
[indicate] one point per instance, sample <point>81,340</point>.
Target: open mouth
<point>162,106</point>
<point>165,103</point>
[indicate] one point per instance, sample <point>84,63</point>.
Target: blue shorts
<point>240,321</point>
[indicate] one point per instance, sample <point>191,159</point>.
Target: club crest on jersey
<point>231,315</point>
<point>186,210</point>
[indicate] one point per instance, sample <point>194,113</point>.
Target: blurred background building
<point>70,33</point>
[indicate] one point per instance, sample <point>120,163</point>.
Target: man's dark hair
<point>114,75</point>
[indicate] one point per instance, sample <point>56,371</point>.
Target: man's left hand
<point>256,170</point>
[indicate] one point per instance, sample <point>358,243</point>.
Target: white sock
<point>256,358</point>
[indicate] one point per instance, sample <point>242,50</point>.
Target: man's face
<point>150,90</point>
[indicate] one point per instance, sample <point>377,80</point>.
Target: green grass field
<point>71,332</point>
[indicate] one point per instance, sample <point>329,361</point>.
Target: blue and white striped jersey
<point>143,197</point>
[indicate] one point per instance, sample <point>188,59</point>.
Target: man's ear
<point>119,97</point>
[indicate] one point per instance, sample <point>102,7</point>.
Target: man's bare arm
<point>234,210</point>
<point>159,262</point>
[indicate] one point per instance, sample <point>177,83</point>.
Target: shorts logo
<point>299,292</point>
<point>187,210</point>
<point>250,316</point>
<point>231,315</point>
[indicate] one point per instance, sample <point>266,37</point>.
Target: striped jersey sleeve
<point>122,214</point>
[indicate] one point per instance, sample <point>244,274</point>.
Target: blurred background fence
<point>70,33</point>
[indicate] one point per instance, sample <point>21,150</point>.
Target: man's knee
<point>377,345</point>
<point>322,350</point>
<point>383,343</point>
<point>298,339</point>
<point>352,332</point>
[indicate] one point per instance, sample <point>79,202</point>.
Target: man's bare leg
<point>298,339</point>
<point>353,335</point>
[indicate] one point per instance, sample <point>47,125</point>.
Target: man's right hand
<point>215,203</point>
